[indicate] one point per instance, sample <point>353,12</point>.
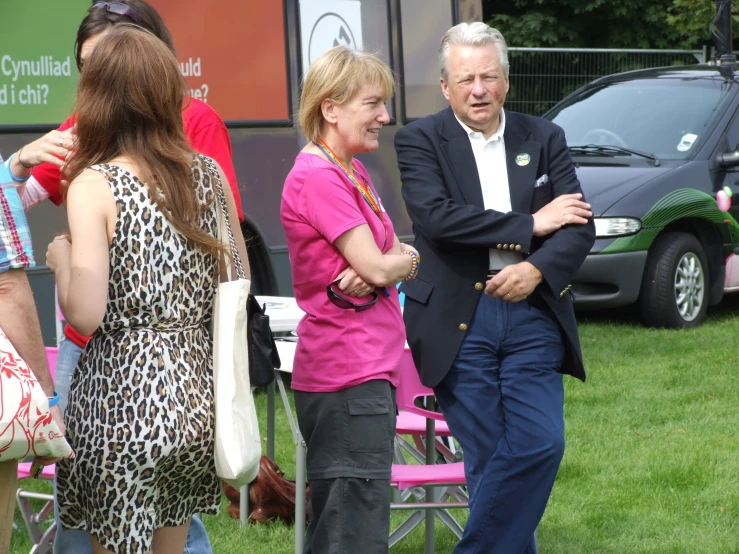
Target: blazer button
<point>518,248</point>
<point>512,247</point>
<point>505,247</point>
<point>463,327</point>
<point>478,286</point>
<point>500,246</point>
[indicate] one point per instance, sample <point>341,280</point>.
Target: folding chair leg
<point>418,492</point>
<point>29,515</point>
<point>403,496</point>
<point>418,449</point>
<point>244,505</point>
<point>420,443</point>
<point>300,489</point>
<point>415,519</point>
<point>458,493</point>
<point>46,544</point>
<point>412,450</point>
<point>445,452</point>
<point>448,520</point>
<point>42,540</point>
<point>430,491</point>
<point>398,457</point>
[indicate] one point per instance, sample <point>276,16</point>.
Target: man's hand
<point>515,282</point>
<point>563,210</point>
<point>352,284</point>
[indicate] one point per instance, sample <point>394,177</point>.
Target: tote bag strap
<point>223,221</point>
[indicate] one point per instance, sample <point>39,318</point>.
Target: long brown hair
<point>129,103</point>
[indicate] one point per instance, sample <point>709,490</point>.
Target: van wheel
<point>674,291</point>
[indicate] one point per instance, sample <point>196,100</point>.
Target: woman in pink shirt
<point>346,260</point>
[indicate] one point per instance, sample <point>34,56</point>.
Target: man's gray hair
<point>472,34</point>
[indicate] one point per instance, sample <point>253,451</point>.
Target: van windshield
<point>664,117</point>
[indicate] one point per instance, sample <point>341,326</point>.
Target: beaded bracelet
<point>18,179</point>
<point>415,263</point>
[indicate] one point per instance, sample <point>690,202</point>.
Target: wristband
<point>415,263</point>
<point>53,400</point>
<point>18,179</point>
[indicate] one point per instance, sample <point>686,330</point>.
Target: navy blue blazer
<point>443,196</point>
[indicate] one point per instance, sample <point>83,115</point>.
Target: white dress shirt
<point>491,167</point>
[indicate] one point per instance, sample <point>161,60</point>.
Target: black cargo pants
<point>350,436</point>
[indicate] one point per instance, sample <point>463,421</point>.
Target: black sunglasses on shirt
<point>340,301</point>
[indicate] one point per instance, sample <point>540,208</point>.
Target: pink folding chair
<point>412,420</point>
<point>43,540</point>
<point>442,482</point>
<point>414,426</point>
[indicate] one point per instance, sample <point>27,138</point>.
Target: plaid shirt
<point>16,250</point>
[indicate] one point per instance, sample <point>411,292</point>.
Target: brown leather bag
<point>271,496</point>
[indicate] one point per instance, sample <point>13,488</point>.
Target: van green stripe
<point>679,204</point>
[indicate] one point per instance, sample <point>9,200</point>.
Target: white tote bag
<point>238,447</point>
<point>27,428</point>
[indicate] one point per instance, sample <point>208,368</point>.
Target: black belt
<point>493,272</point>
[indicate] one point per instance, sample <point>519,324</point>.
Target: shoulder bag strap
<point>223,220</point>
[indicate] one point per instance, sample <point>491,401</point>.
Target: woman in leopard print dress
<point>141,272</point>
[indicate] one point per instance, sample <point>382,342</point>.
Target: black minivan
<point>657,154</point>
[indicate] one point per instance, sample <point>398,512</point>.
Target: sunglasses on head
<point>117,8</point>
<point>340,301</point>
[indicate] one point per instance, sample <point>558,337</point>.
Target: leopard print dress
<point>141,418</point>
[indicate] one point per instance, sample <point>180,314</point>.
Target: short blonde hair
<point>338,75</point>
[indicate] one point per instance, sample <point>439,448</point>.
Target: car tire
<point>674,291</point>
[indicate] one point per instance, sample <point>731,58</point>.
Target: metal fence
<point>541,77</point>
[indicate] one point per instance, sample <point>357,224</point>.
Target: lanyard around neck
<point>364,188</point>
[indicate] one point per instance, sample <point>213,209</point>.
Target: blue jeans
<point>504,402</point>
<point>74,541</point>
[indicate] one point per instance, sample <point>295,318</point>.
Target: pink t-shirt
<point>337,348</point>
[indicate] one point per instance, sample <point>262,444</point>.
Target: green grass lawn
<point>652,460</point>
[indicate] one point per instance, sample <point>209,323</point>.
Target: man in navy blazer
<point>501,227</point>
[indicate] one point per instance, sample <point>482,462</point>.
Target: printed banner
<point>38,74</point>
<point>232,54</point>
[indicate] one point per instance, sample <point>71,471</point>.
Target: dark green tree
<point>690,18</point>
<point>604,23</point>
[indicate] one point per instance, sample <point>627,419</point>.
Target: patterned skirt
<point>141,421</point>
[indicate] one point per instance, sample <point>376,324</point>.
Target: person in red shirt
<point>204,129</point>
<point>206,133</point>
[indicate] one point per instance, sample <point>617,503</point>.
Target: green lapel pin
<point>523,159</point>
